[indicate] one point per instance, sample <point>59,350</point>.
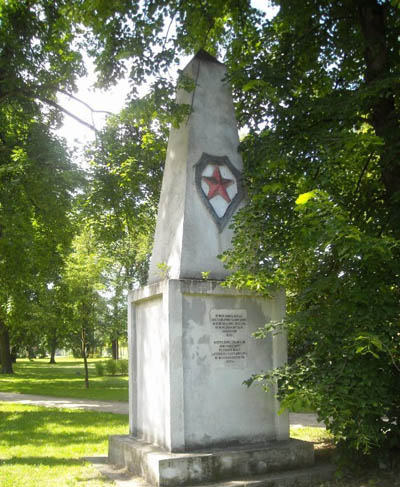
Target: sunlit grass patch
<point>63,379</point>
<point>42,447</point>
<point>311,433</point>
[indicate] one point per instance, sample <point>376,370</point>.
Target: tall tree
<point>317,88</point>
<point>36,177</point>
<point>36,181</point>
<point>85,278</point>
<point>124,187</point>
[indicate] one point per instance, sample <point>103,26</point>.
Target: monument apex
<point>202,185</point>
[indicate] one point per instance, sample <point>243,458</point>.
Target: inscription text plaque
<point>229,338</point>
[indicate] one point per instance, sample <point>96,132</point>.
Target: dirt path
<point>63,402</point>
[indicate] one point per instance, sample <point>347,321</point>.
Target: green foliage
<point>36,176</point>
<point>163,269</point>
<point>99,366</point>
<point>122,366</point>
<point>125,179</point>
<point>85,278</point>
<point>321,103</point>
<point>111,366</point>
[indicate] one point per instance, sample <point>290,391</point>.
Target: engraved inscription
<point>229,332</point>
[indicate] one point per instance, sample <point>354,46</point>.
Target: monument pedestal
<point>192,349</point>
<point>191,418</point>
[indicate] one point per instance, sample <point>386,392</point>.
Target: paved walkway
<point>297,420</point>
<point>63,402</point>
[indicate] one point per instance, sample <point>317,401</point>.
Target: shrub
<point>111,367</point>
<point>122,367</point>
<point>99,366</point>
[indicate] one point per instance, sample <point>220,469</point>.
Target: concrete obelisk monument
<point>190,344</point>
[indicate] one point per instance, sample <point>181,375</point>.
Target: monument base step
<point>307,477</point>
<point>164,469</point>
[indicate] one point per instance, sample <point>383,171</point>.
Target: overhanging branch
<point>67,112</point>
<point>84,103</point>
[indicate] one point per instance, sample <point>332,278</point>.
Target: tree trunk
<point>31,353</point>
<point>115,349</point>
<point>14,353</point>
<point>384,117</point>
<point>52,355</point>
<point>84,356</point>
<point>53,348</point>
<point>6,360</point>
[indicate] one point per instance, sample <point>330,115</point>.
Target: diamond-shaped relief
<point>219,185</point>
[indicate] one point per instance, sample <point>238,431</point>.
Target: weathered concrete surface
<point>178,469</point>
<point>307,477</point>
<point>187,390</point>
<point>187,240</point>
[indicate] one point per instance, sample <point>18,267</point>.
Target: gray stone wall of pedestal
<point>193,349</point>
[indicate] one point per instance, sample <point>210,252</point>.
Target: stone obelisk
<point>202,186</point>
<point>190,339</point>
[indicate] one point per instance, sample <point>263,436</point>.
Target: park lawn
<point>63,379</point>
<point>45,447</point>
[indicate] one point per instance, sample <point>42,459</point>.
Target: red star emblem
<point>217,185</point>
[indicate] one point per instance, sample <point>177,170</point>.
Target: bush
<point>99,366</point>
<point>122,367</point>
<point>342,282</point>
<point>111,367</point>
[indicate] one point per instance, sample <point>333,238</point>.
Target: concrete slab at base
<point>165,469</point>
<point>306,477</point>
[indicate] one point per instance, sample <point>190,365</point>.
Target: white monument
<point>190,340</point>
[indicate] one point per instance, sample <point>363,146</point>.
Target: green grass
<point>63,379</point>
<point>311,433</point>
<point>44,447</point>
